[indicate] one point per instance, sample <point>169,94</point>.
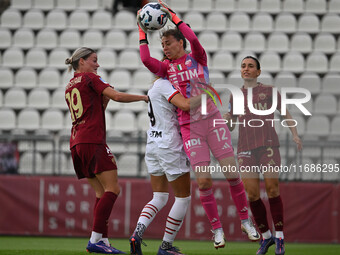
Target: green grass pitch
<point>11,245</point>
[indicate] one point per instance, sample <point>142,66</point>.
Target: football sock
<point>175,218</point>
<point>103,211</point>
<point>267,234</point>
<point>105,232</point>
<point>210,207</point>
<point>150,210</point>
<point>95,237</point>
<point>260,215</point>
<point>279,234</point>
<point>239,197</point>
<point>276,209</point>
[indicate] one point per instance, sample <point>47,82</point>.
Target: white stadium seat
<point>38,98</point>
<point>67,5</point>
<point>45,5</point>
<point>231,41</point>
<point>120,79</point>
<point>6,78</point>
<point>335,124</point>
<point>133,40</point>
<point>79,19</point>
<point>36,58</point>
<point>7,114</point>
<point>301,42</point>
<point>26,163</point>
<point>239,21</point>
<point>310,81</point>
<point>309,23</point>
<point>26,78</point>
<point>93,39</point>
<point>136,106</point>
<point>285,22</point>
<point>270,61</point>
<point>316,6</point>
<point>285,79</point>
<point>223,61</point>
<point>101,20</point>
<point>115,39</point>
<point>124,121</point>
<point>129,59</point>
<point>69,39</point>
<point>52,119</point>
<point>248,6</point>
<point>21,4</point>
<point>226,6</point>
<point>318,126</point>
<point>28,119</point>
<point>56,19</point>
<point>57,58</point>
<point>293,6</point>
<point>88,5</point>
<point>6,38</point>
<point>23,38</point>
<point>180,5</point>
<point>330,83</point>
<point>330,23</point>
<point>58,99</point>
<point>47,38</point>
<point>325,42</point>
<point>125,20</point>
<point>34,19</point>
<point>107,58</point>
<point>270,6</point>
<point>235,78</point>
<point>13,58</point>
<point>334,64</point>
<point>241,55</point>
<point>142,79</point>
<point>128,164</point>
<point>278,42</point>
<point>333,6</point>
<point>209,40</point>
<point>203,6</point>
<point>196,20</point>
<point>255,41</point>
<point>317,62</point>
<point>293,62</point>
<point>326,104</point>
<point>266,78</point>
<point>11,18</point>
<point>1,98</point>
<point>15,98</point>
<point>49,78</point>
<point>143,121</point>
<point>217,22</point>
<point>262,22</point>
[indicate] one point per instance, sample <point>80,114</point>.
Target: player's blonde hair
<point>73,61</point>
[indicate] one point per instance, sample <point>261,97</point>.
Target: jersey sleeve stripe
<point>175,93</point>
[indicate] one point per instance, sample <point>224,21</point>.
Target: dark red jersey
<point>84,98</point>
<point>257,130</point>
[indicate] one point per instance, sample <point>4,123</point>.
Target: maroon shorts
<point>262,156</point>
<point>90,159</point>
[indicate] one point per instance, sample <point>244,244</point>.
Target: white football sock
<point>95,237</point>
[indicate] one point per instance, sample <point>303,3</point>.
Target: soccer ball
<point>152,17</point>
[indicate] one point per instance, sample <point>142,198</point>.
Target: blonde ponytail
<point>79,53</point>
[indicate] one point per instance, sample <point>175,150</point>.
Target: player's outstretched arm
<point>293,130</point>
<point>170,13</point>
<point>186,104</point>
<point>123,97</point>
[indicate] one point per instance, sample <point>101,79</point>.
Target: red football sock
<point>260,214</point>
<point>102,212</point>
<point>276,209</point>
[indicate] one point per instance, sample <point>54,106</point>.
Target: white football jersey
<point>164,127</point>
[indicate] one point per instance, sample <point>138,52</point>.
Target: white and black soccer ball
<point>152,17</point>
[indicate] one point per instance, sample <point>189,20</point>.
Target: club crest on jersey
<point>262,96</point>
<point>188,63</point>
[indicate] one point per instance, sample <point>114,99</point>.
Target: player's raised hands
<point>170,13</point>
<point>142,30</point>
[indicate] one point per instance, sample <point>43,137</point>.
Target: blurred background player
<point>259,146</point>
<point>167,163</point>
<point>187,72</point>
<point>87,96</point>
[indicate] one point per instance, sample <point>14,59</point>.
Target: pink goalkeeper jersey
<point>188,74</point>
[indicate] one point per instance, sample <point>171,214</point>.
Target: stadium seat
<point>142,79</point>
<point>125,20</point>
<point>21,4</point>
<point>316,6</point>
<point>13,58</point>
<point>1,98</point>
<point>6,38</point>
<point>310,81</point>
<point>196,20</point>
<point>56,19</point>
<point>133,40</point>
<point>38,98</point>
<point>309,23</point>
<point>222,61</point>
<point>255,41</point>
<point>36,58</point>
<point>26,78</point>
<point>262,22</point>
<point>136,106</point>
<point>293,62</point>
<point>7,114</point>
<point>79,19</point>
<point>248,6</point>
<point>301,42</point>
<point>124,121</point>
<point>285,22</point>
<point>115,39</point>
<point>6,78</point>
<point>23,38</point>
<point>326,104</point>
<point>334,64</point>
<point>93,39</point>
<point>317,126</point>
<point>88,5</point>
<point>333,6</point>
<point>69,39</point>
<point>44,5</point>
<point>157,53</point>
<point>15,98</point>
<point>49,78</point>
<point>216,77</point>
<point>143,121</point>
<point>278,42</point>
<point>34,19</point>
<point>67,5</point>
<point>293,6</point>
<point>52,119</point>
<point>57,58</point>
<point>107,58</point>
<point>330,83</point>
<point>325,42</point>
<point>202,6</point>
<point>270,61</point>
<point>180,5</point>
<point>335,130</point>
<point>235,78</point>
<point>47,38</point>
<point>120,79</point>
<point>101,20</point>
<point>129,59</point>
<point>266,78</point>
<point>67,124</point>
<point>330,23</point>
<point>128,164</point>
<point>270,6</point>
<point>11,18</point>
<point>231,41</point>
<point>51,163</point>
<point>241,55</point>
<point>217,22</point>
<point>225,6</point>
<point>239,21</point>
<point>28,119</point>
<point>58,99</point>
<point>317,62</point>
<point>285,79</point>
<point>295,110</point>
<point>27,160</point>
<point>209,40</point>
